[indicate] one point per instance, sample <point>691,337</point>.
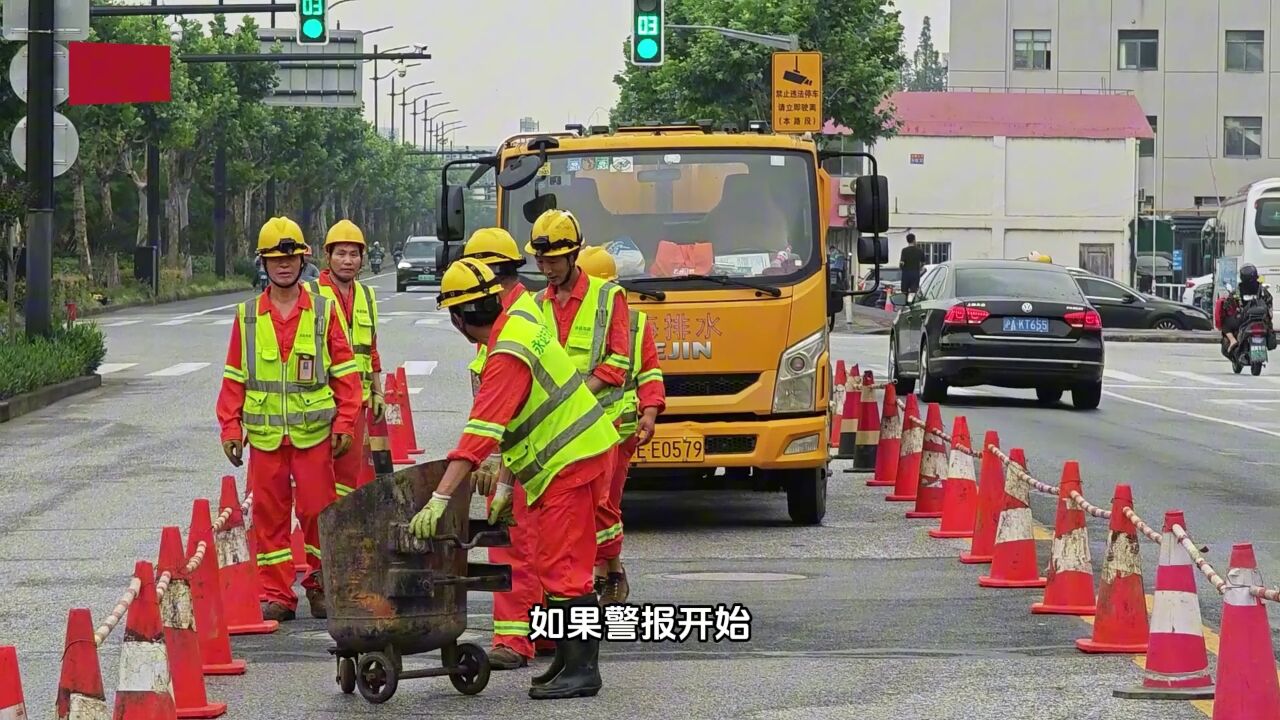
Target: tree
<point>709,76</point>
<point>927,73</point>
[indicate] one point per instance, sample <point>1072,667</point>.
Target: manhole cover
<point>736,577</point>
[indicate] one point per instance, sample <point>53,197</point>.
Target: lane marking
<point>1246,402</point>
<point>414,390</point>
<point>420,367</point>
<point>429,321</point>
<point>1197,416</point>
<point>1126,377</point>
<point>224,321</point>
<point>1196,377</point>
<point>206,312</point>
<point>108,368</point>
<point>179,369</point>
<point>183,320</point>
<point>122,323</point>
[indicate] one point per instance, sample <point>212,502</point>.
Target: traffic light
<point>648,32</point>
<point>313,22</point>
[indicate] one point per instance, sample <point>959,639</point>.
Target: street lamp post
<point>435,133</point>
<point>415,113</point>
<point>426,124</point>
<point>404,124</point>
<point>446,129</point>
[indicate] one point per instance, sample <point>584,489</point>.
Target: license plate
<point>426,276</point>
<point>1026,325</point>
<point>672,450</point>
<point>1258,352</point>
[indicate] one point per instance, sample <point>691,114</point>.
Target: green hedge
<point>30,363</point>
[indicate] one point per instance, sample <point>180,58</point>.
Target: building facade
<point>1205,72</point>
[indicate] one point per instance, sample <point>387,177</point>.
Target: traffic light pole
<point>781,42</point>
<point>40,71</point>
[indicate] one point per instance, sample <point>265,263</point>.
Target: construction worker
<point>344,248</point>
<point>555,440</point>
<point>512,649</point>
<point>644,399</point>
<point>292,386</point>
<point>591,320</point>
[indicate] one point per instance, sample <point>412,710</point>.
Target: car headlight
<point>404,265</point>
<point>797,385</point>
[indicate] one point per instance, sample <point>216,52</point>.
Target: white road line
<point>971,392</point>
<point>384,320</point>
<point>420,367</point>
<point>1197,388</point>
<point>122,323</point>
<point>1198,416</point>
<point>1245,402</point>
<point>179,369</point>
<point>429,321</point>
<point>392,296</point>
<point>108,368</point>
<point>206,312</point>
<point>183,320</point>
<point>1196,377</point>
<point>1126,377</point>
<point>414,390</point>
<point>224,321</point>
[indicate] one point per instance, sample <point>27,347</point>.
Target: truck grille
<point>730,444</point>
<point>699,385</point>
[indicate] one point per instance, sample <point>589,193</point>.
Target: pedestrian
<point>555,440</point>
<point>591,320</point>
<point>910,262</point>
<point>511,647</point>
<point>344,249</point>
<point>643,401</point>
<point>291,386</point>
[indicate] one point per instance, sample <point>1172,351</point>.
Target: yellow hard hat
<point>281,237</point>
<point>344,231</point>
<point>491,246</point>
<point>597,262</point>
<point>555,233</point>
<point>1037,256</point>
<point>466,280</point>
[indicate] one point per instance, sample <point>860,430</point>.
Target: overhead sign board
<point>70,17</point>
<point>315,83</point>
<point>797,92</point>
<point>114,73</point>
<point>61,74</point>
<point>66,144</point>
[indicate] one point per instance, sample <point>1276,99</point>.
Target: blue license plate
<point>1026,325</point>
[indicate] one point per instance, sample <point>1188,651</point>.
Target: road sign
<point>797,92</point>
<point>114,73</point>
<point>71,18</point>
<point>66,144</point>
<point>315,83</point>
<point>61,74</point>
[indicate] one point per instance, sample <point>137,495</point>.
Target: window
<point>1268,218</point>
<point>1031,49</point>
<point>1098,258</point>
<point>1244,50</point>
<point>1242,137</point>
<point>1100,289</point>
<point>931,288</point>
<point>1139,49</point>
<point>1209,200</point>
<point>935,252</point>
<point>1147,148</point>
<point>1019,283</point>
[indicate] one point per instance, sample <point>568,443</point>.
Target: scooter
<point>375,264</point>
<point>1253,339</point>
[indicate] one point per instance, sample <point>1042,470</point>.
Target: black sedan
<point>417,266</point>
<point>1125,308</point>
<point>1005,323</point>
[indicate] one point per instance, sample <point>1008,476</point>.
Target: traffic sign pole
<point>40,82</point>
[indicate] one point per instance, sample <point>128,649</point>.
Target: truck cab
<point>720,239</point>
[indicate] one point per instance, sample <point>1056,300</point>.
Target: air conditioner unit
<point>846,185</point>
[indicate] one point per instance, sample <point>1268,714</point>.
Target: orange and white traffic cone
<point>12,704</point>
<point>238,570</point>
<point>990,499</point>
<point>1013,564</point>
<point>206,597</point>
<point>81,695</point>
<point>144,691</point>
<point>849,416</point>
<point>298,545</point>
<point>406,408</point>
<point>182,643</point>
<point>960,490</point>
<point>1070,588</point>
<point>838,383</point>
<point>1247,685</point>
<point>1120,625</point>
<point>912,446</point>
<point>890,442</point>
<point>396,420</point>
<point>1177,666</point>
<point>868,437</point>
<point>933,468</point>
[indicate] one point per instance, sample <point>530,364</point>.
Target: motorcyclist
<point>375,255</point>
<point>1234,305</point>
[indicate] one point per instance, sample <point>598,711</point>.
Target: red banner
<point>114,73</point>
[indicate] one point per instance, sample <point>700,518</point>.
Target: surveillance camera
<point>420,47</point>
<point>401,70</point>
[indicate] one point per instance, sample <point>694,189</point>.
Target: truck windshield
<point>667,214</point>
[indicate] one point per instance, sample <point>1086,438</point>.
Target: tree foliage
<point>926,73</point>
<point>709,76</point>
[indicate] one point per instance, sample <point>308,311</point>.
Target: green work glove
<point>423,525</point>
<point>378,406</point>
<point>500,507</point>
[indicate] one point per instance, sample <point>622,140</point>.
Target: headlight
<point>797,385</point>
<point>404,265</point>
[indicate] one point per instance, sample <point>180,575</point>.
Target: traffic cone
<point>849,416</point>
<point>990,495</point>
<point>144,691</point>
<point>81,695</point>
<point>206,596</point>
<point>933,468</point>
<point>1120,625</point>
<point>908,475</point>
<point>1013,564</point>
<point>890,441</point>
<point>12,704</point>
<point>182,643</point>
<point>868,437</point>
<point>838,383</point>
<point>1177,666</point>
<point>396,423</point>
<point>1070,588</point>
<point>380,452</point>
<point>299,548</point>
<point>1247,685</point>
<point>238,570</point>
<point>960,491</point>
<point>406,407</point>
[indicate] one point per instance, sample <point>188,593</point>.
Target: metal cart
<point>390,595</point>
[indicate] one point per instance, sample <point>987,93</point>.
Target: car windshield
<point>667,214</point>
<point>1017,283</point>
<point>421,249</point>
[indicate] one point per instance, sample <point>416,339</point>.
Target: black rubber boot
<point>580,676</point>
<point>557,664</point>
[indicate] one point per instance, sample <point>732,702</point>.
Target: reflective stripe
<point>612,532</point>
<point>265,386</point>
<point>603,310</point>
<point>555,396</point>
<point>233,373</point>
<point>275,558</point>
<point>511,628</point>
<point>341,369</point>
<point>516,312</point>
<point>484,429</point>
<point>342,490</point>
<point>312,550</point>
<point>310,416</point>
<point>561,441</point>
<point>649,376</point>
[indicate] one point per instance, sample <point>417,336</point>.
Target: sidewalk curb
<point>108,309</point>
<point>1198,339</point>
<point>19,405</point>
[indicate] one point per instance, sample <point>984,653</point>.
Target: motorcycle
<point>375,265</point>
<point>1254,337</point>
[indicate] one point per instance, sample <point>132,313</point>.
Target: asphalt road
<point>863,617</point>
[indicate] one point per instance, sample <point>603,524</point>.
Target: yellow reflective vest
<point>362,334</point>
<point>636,378</point>
<point>523,306</point>
<point>587,344</point>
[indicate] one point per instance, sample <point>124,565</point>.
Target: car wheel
<point>1168,323</point>
<point>902,386</point>
<point>1048,395</point>
<point>1087,396</point>
<point>807,495</point>
<point>931,388</point>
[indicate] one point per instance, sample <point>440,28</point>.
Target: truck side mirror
<point>453,217</point>
<point>873,250</point>
<point>871,203</point>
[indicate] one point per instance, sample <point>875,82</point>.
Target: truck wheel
<point>807,496</point>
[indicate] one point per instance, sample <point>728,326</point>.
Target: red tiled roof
<point>1022,115</point>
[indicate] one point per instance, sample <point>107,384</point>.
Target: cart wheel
<point>377,678</point>
<point>347,675</point>
<point>472,670</point>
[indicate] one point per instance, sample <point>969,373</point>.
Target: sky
<point>496,61</point>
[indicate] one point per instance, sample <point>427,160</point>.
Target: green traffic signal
<point>647,32</point>
<point>313,27</point>
<point>647,49</point>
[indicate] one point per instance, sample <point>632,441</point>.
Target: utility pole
<point>220,203</point>
<point>39,320</point>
